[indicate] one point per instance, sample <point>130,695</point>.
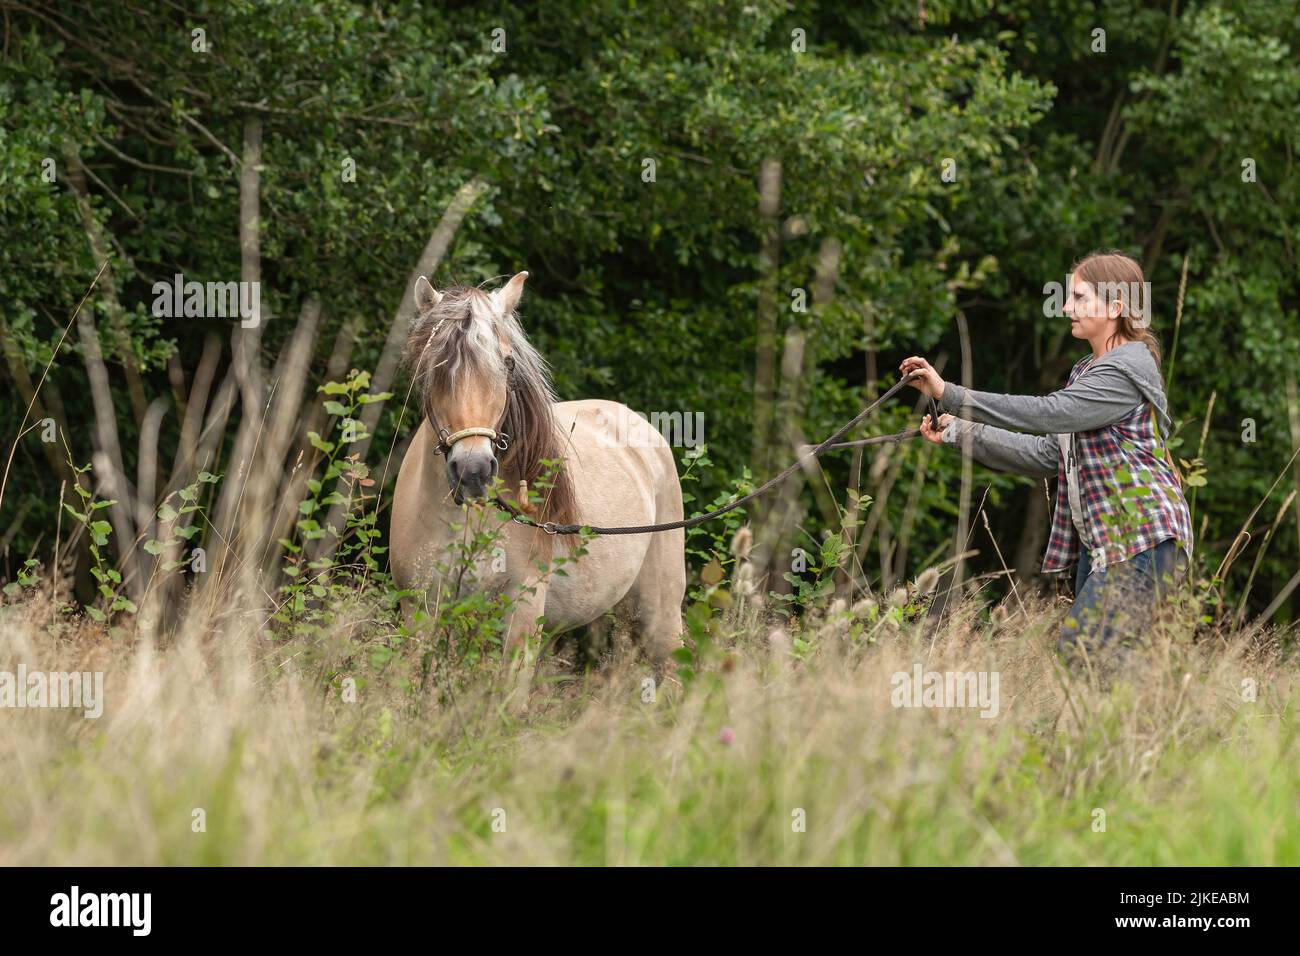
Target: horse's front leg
<point>529,605</point>
<point>522,641</point>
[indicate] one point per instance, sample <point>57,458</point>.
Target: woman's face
<point>1088,314</point>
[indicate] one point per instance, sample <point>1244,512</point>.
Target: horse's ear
<point>508,295</point>
<point>426,296</point>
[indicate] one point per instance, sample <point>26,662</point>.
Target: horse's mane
<point>461,337</point>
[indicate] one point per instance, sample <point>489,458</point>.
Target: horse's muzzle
<point>470,476</point>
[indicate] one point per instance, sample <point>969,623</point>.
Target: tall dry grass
<point>768,727</point>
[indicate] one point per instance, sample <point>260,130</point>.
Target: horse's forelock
<point>453,340</point>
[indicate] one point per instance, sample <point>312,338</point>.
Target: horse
<point>492,426</point>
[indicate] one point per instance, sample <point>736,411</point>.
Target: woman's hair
<point>1116,276</point>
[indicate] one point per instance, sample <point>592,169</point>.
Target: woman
<point>1121,517</point>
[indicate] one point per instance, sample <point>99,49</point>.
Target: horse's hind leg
<point>657,596</point>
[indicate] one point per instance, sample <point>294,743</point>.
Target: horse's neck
<point>552,449</point>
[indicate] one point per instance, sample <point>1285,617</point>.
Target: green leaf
<point>319,443</point>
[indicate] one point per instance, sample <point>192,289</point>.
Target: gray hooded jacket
<point>1119,381</point>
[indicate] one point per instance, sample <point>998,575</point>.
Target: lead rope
<point>550,527</point>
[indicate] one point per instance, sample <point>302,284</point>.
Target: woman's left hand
<point>933,431</point>
<point>928,382</point>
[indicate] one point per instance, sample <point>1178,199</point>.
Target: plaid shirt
<point>1130,495</point>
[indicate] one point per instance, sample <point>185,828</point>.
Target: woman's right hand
<point>932,433</point>
<point>927,381</point>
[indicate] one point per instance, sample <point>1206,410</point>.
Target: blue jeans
<point>1115,606</point>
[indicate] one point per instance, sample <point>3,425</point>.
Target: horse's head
<point>476,376</point>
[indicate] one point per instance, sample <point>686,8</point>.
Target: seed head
<point>742,543</point>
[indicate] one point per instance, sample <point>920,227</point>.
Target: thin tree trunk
<point>963,514</point>
<point>191,410</point>
<point>99,252</point>
<point>246,360</point>
<point>107,459</point>
<point>778,524</point>
<point>1033,532</point>
<point>769,202</point>
<point>765,518</point>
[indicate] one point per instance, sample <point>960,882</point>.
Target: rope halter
<point>448,438</point>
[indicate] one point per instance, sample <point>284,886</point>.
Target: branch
<point>136,162</point>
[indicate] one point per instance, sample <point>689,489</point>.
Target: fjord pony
<point>490,413</point>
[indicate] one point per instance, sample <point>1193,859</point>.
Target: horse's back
<point>617,455</point>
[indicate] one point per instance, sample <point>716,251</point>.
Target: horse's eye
<point>510,363</point>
